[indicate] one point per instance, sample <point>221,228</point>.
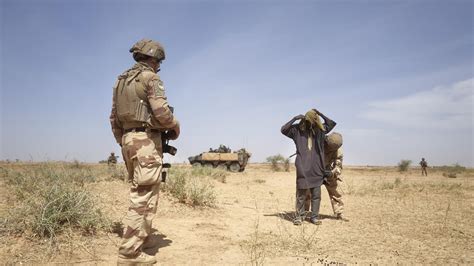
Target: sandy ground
<point>393,218</point>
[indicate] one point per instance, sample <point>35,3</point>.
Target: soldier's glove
<point>173,133</point>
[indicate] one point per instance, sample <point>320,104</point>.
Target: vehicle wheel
<point>222,166</point>
<point>196,164</point>
<point>234,167</point>
<point>209,165</point>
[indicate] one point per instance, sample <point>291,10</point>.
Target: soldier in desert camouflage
<point>424,165</point>
<point>112,160</point>
<point>333,156</point>
<point>140,115</point>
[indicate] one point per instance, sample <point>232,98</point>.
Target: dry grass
<point>192,185</point>
<point>51,205</point>
<point>395,218</point>
<point>50,198</point>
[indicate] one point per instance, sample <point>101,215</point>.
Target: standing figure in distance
<point>308,136</point>
<point>112,160</point>
<point>424,165</point>
<point>140,115</point>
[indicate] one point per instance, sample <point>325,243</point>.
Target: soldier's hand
<point>174,132</point>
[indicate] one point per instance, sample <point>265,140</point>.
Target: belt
<point>141,129</point>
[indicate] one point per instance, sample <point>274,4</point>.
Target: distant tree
<point>279,163</point>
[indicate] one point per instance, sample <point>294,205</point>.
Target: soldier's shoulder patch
<point>157,85</point>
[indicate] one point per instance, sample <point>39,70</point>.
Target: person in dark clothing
<point>308,136</point>
<point>423,165</point>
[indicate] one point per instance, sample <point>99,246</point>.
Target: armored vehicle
<point>223,158</point>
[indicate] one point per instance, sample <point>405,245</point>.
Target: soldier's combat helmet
<point>150,48</point>
<point>333,141</point>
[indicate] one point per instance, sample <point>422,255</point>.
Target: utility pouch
<point>141,114</point>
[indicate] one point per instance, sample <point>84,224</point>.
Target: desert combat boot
<point>141,259</point>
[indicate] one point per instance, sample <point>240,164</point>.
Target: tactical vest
<point>132,107</point>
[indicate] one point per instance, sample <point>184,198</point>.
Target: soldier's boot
<point>340,216</point>
<point>140,259</point>
<point>150,242</point>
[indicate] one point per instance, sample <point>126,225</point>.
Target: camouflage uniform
<point>140,113</point>
<point>334,164</point>
<point>112,160</point>
<point>423,165</point>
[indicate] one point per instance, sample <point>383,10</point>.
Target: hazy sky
<point>397,76</point>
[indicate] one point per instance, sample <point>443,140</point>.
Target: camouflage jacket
<point>333,161</point>
<point>157,100</point>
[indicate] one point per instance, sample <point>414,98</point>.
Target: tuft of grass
<point>388,185</point>
<point>50,198</point>
<point>192,186</point>
<point>214,173</point>
<point>256,246</point>
<point>279,163</point>
<point>403,165</point>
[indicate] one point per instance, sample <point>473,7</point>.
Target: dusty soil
<point>393,218</point>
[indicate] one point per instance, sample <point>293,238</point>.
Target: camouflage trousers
<point>334,196</point>
<point>142,153</point>
<point>423,171</point>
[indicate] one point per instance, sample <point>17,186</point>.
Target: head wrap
<point>311,123</point>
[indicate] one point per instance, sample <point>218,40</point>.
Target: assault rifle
<point>167,148</point>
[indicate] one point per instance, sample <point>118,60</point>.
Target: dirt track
<point>410,220</point>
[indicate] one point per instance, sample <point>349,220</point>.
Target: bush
<point>49,198</point>
<point>403,165</point>
<point>192,186</point>
<point>279,163</point>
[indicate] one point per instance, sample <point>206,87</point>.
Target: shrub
<point>192,186</point>
<point>403,165</point>
<point>279,163</point>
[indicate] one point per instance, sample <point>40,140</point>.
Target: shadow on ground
<point>290,216</point>
<point>161,241</point>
